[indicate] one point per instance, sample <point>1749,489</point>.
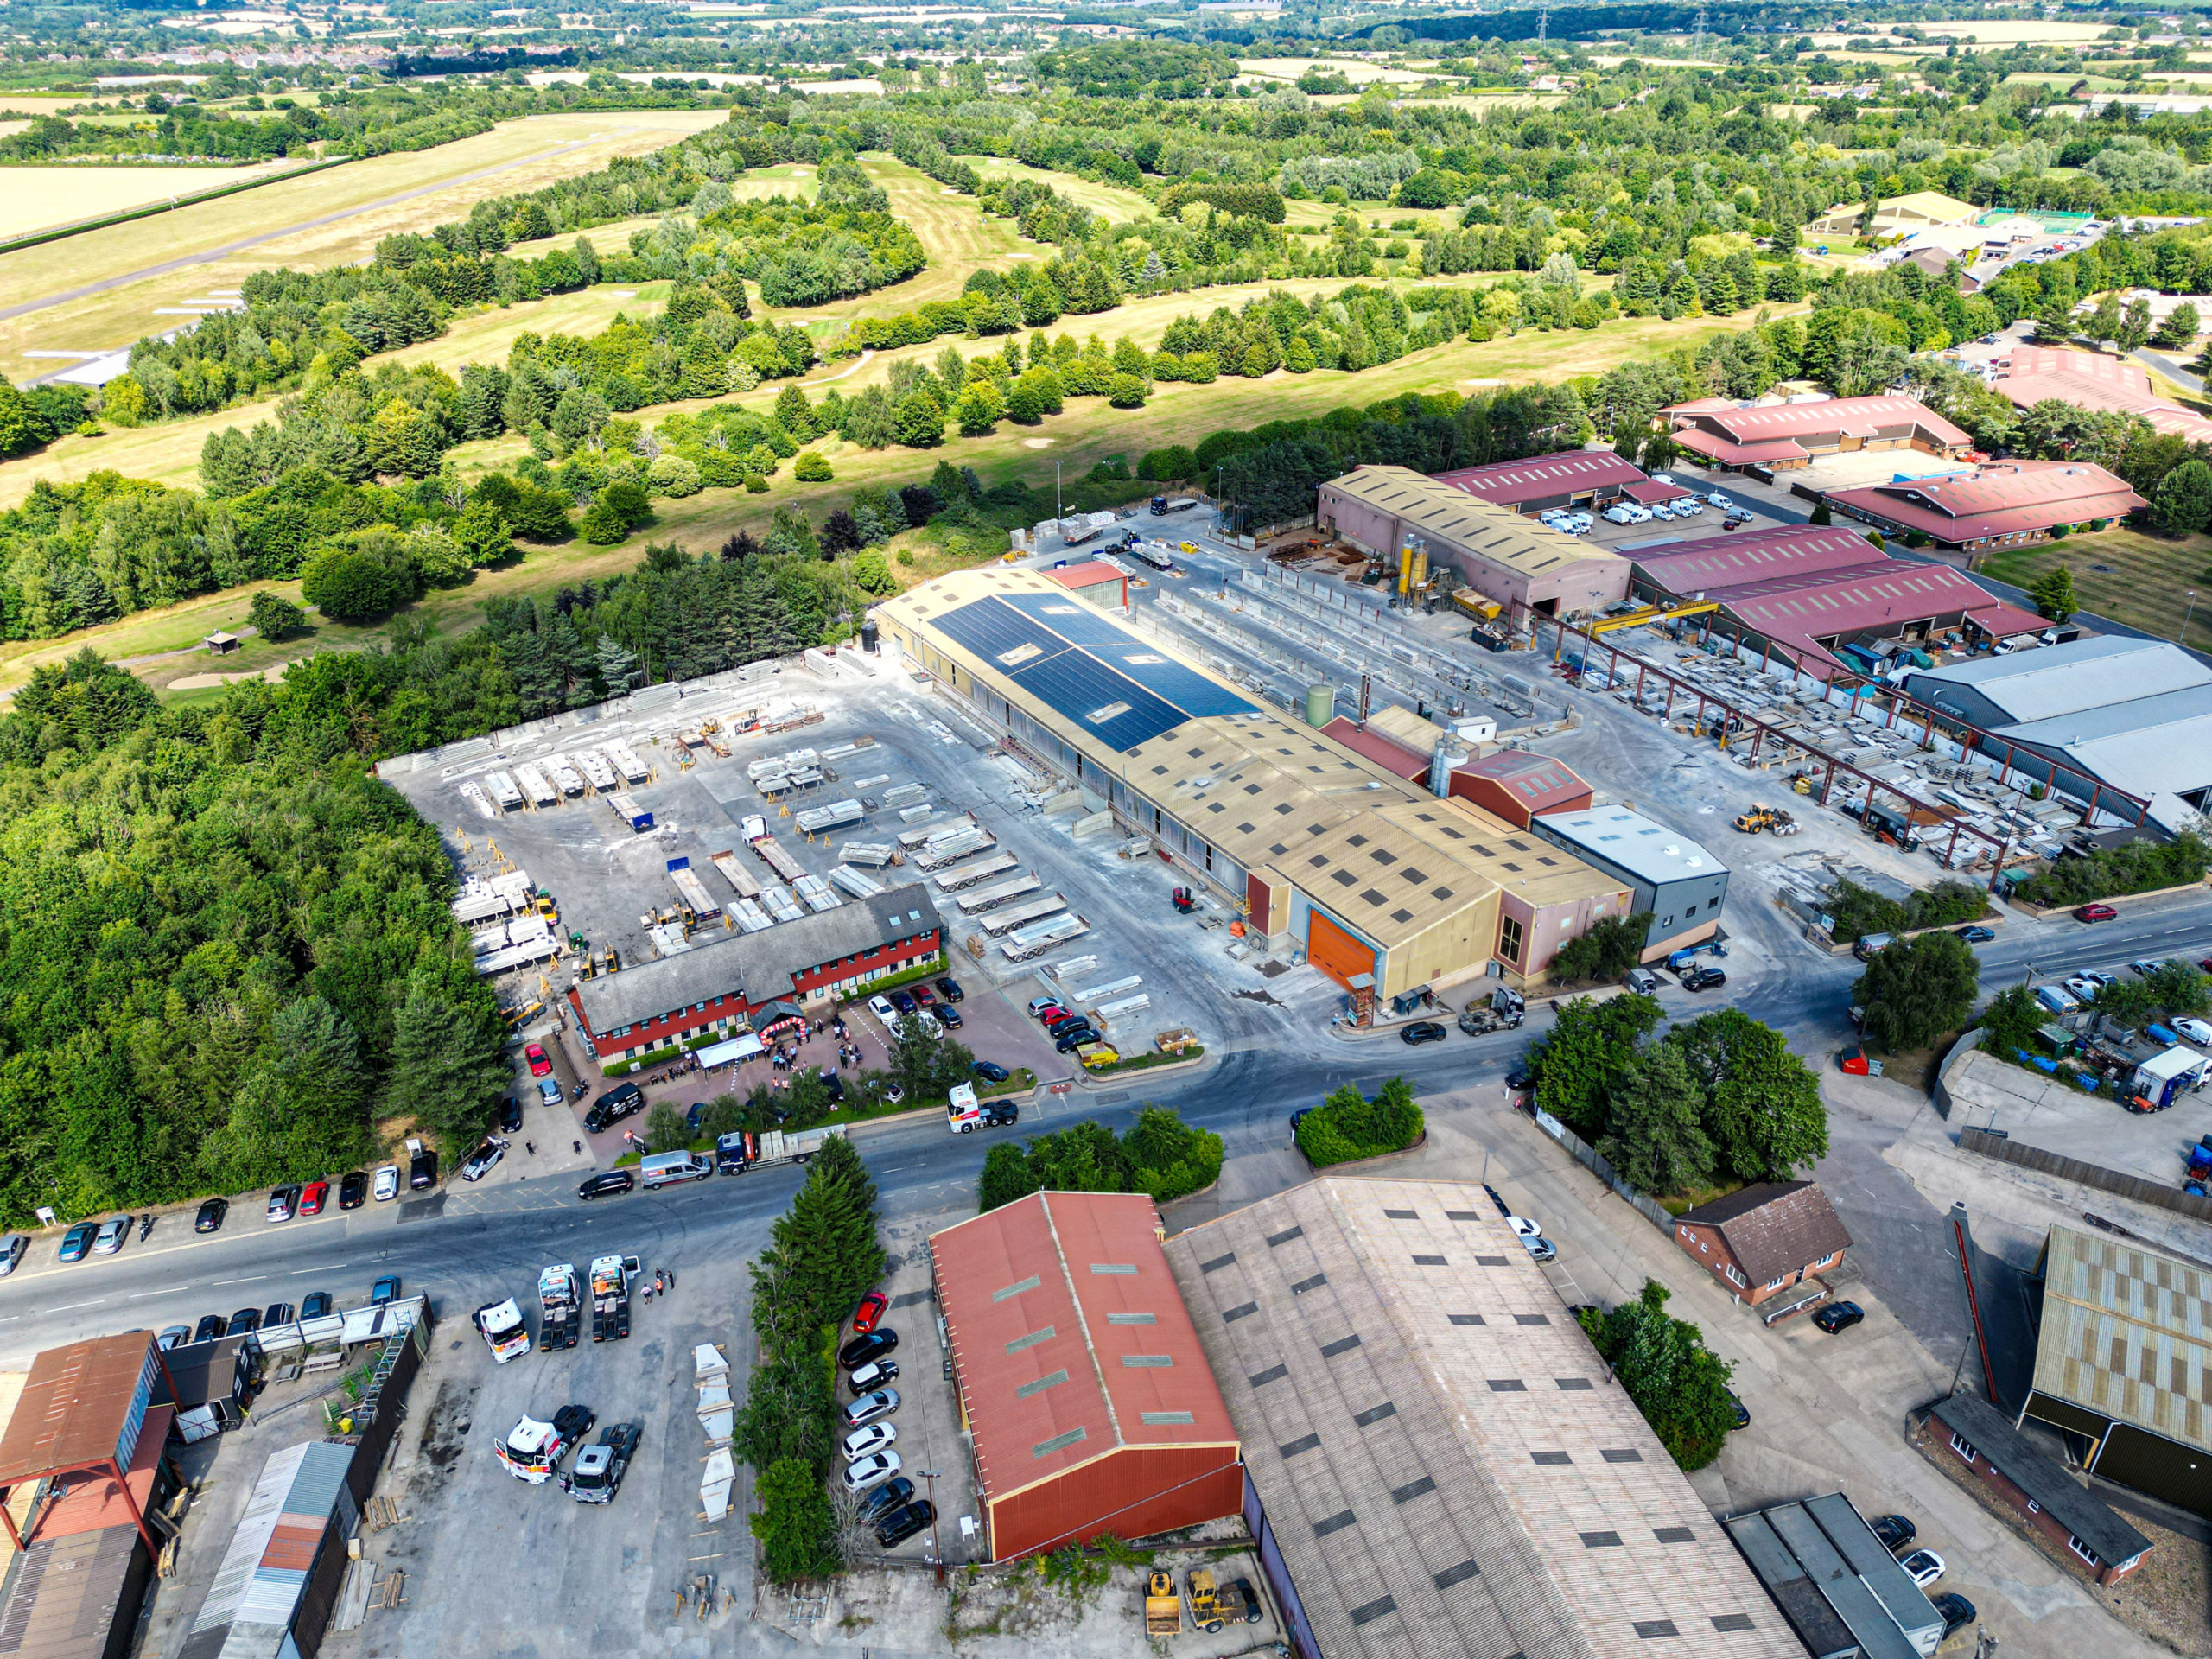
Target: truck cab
<point>560,1303</point>
<point>501,1325</point>
<point>964,1114</point>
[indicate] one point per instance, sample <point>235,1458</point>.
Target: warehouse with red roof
<point>1785,437</point>
<point>2001,504</point>
<point>1572,478</point>
<point>2041,374</point>
<point>1084,1391</point>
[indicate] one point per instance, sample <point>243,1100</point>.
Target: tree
<point>666,1129</point>
<point>618,666</point>
<point>1590,1048</point>
<point>917,420</point>
<point>274,617</point>
<point>1679,1385</point>
<point>1914,992</point>
<point>725,1114</point>
<point>1608,948</point>
<point>810,467</point>
<point>1655,1136</point>
<point>2134,327</point>
<point>449,1060</point>
<point>2183,502</point>
<point>1004,1178</point>
<point>796,1530</point>
<point>484,534</point>
<point>2173,989</point>
<point>2179,329</point>
<point>1763,1108</point>
<point>2053,594</point>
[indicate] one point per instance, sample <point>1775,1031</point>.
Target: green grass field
<point>2145,584</point>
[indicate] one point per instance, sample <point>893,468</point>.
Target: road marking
<point>72,1306</point>
<point>297,1271</point>
<point>166,1290</point>
<point>716,1556</point>
<point>254,1280</point>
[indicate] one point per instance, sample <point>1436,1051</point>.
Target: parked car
<point>902,1522</point>
<point>317,1306</point>
<point>12,1248</point>
<point>2095,914</point>
<point>282,1202</point>
<point>2143,966</point>
<point>1422,1031</point>
<point>484,1159</point>
<point>990,1070</point>
<point>870,1312</point>
<point>245,1320</point>
<point>276,1314</point>
<point>541,1064</point>
<point>1521,1074</point>
<point>624,1100</point>
<point>947,1017</point>
<point>1037,1006</point>
<point>1838,1316</point>
<point>1523,1228</point>
<point>386,1289</point>
<point>949,988</point>
<point>1642,981</point>
<point>881,1009</point>
<point>1702,978</point>
<point>877,1402</point>
<point>1542,1249</point>
<point>352,1188</point>
<point>312,1197</point>
<point>210,1327</point>
<point>77,1243</point>
<point>1895,1531</point>
<point>885,1498</point>
<point>873,1375</point>
<point>1958,1612</point>
<point>1740,1412</point>
<point>864,1473</point>
<point>549,1092</point>
<point>387,1185</point>
<point>112,1233</point>
<point>2085,986</point>
<point>1073,1039</point>
<point>904,1001</point>
<point>924,998</point>
<point>175,1336</point>
<point>860,1350</point>
<point>607,1181</point>
<point>210,1218</point>
<point>1975,933</point>
<point>2196,1031</point>
<point>1925,1566</point>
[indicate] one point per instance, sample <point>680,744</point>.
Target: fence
<point>1589,1157</point>
<point>1994,1143</point>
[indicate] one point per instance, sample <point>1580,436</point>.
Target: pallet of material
<point>1112,988</point>
<point>780,903</point>
<point>998,894</point>
<point>750,916</point>
<point>856,882</point>
<point>953,850</point>
<point>836,816</point>
<point>473,907</point>
<point>1035,940</point>
<point>817,892</point>
<point>778,860</point>
<point>904,795</point>
<point>875,854</point>
<point>627,762</point>
<point>795,761</point>
<point>1017,916</point>
<point>921,814</point>
<point>790,717</point>
<point>503,792</point>
<point>534,784</point>
<point>693,892</point>
<point>570,781</point>
<point>1119,1006</point>
<point>911,839</point>
<point>958,880</point>
<point>596,772</point>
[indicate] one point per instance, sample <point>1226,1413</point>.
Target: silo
<point>1320,704</point>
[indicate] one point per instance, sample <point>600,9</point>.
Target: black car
<point>904,1001</point>
<point>990,1070</point>
<point>210,1217</point>
<point>834,1084</point>
<point>509,1115</point>
<point>1958,1612</point>
<point>386,1289</point>
<point>352,1189</point>
<point>1838,1316</point>
<point>573,1422</point>
<point>245,1320</point>
<point>1522,1075</point>
<point>902,1522</point>
<point>626,1100</point>
<point>1702,978</point>
<point>607,1181</point>
<point>1297,1118</point>
<point>1000,1111</point>
<point>1740,1412</point>
<point>885,1498</point>
<point>1894,1530</point>
<point>949,988</point>
<point>1422,1031</point>
<point>1975,934</point>
<point>860,1350</point>
<point>277,1313</point>
<point>316,1307</point>
<point>211,1327</point>
<point>1076,1040</point>
<point>947,1017</point>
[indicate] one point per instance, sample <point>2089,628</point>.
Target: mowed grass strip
<point>2146,583</point>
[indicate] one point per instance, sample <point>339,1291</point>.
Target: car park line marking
<point>73,1307</point>
<point>254,1280</point>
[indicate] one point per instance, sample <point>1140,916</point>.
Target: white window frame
<point>2083,1550</point>
<point>1964,1447</point>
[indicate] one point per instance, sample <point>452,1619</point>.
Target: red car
<point>870,1312</point>
<point>2095,914</point>
<point>539,1065</point>
<point>312,1199</point>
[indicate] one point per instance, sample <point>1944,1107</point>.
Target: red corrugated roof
<point>1713,562</point>
<point>1998,499</point>
<point>1090,573</point>
<point>1650,492</point>
<point>1537,781</point>
<point>94,1502</point>
<point>1048,1301</point>
<point>1886,599</point>
<point>75,1406</point>
<point>1736,455</point>
<point>1391,756</point>
<point>1857,416</point>
<point>1508,483</point>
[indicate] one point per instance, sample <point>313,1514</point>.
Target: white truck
<point>610,1296</point>
<point>560,1306</point>
<point>736,1153</point>
<point>501,1325</point>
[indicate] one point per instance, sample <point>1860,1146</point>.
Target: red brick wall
<point>1992,1481</point>
<point>1716,1259</point>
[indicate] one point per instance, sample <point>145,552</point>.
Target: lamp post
<point>1059,509</point>
<point>937,1549</point>
<point>2183,636</point>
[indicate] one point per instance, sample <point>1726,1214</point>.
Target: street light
<point>2183,635</point>
<point>937,1549</point>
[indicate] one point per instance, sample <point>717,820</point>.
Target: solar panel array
<point>1086,667</point>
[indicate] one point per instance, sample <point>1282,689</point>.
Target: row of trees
<point>1158,1155</point>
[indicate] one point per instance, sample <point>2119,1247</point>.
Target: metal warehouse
<point>1384,886</point>
<point>1779,436</point>
<point>1438,1462</point>
<point>1083,1387</point>
<point>2124,1365</point>
<point>1675,880</point>
<point>2004,504</point>
<point>1494,550</point>
<point>280,1578</point>
<point>1572,478</point>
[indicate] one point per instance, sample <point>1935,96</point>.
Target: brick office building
<point>2012,1471</point>
<point>1762,1241</point>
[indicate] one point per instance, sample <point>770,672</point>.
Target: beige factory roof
<point>1447,1465</point>
<point>1267,790</point>
<point>1496,534</point>
<point>1403,726</point>
<point>2125,1334</point>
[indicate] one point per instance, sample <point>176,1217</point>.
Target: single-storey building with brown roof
<point>1761,1240</point>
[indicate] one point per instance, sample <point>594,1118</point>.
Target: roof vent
<point>1671,850</point>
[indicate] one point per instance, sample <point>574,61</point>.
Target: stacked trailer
<point>693,893</point>
<point>630,812</point>
<point>915,840</point>
<point>596,772</point>
<point>778,860</point>
<point>627,762</point>
<point>533,783</point>
<point>819,820</point>
<point>998,864</point>
<point>570,781</point>
<point>503,792</point>
<point>1015,917</point>
<point>998,894</point>
<point>953,849</point>
<point>1040,937</point>
<point>750,916</point>
<point>737,876</point>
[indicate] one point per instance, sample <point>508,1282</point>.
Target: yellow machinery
<point>1476,604</point>
<point>1653,613</point>
<point>1163,1613</point>
<point>1206,1601</point>
<point>1759,817</point>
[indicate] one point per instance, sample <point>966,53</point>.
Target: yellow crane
<point>1653,613</point>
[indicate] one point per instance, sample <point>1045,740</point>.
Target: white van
<point>666,1169</point>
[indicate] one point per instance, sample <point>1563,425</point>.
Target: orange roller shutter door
<point>1336,952</point>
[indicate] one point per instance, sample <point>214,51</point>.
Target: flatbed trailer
<point>1035,940</point>
<point>998,894</point>
<point>778,860</point>
<point>999,864</point>
<point>693,892</point>
<point>1014,917</point>
<point>737,876</point>
<point>817,820</point>
<point>941,855</point>
<point>929,834</point>
<point>875,856</point>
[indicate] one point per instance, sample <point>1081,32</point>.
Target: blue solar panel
<point>991,630</point>
<point>1071,619</point>
<point>1079,688</point>
<point>1126,653</point>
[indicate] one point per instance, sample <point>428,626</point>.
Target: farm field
<point>33,198</point>
<point>1357,71</point>
<point>2145,581</point>
<point>518,156</point>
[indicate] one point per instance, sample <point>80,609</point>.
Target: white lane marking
<point>166,1290</point>
<point>72,1306</point>
<point>254,1280</point>
<point>296,1272</point>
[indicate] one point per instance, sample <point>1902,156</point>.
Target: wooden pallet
<point>391,1590</point>
<point>383,1512</point>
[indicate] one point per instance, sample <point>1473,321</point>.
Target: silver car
<point>112,1232</point>
<point>881,1402</point>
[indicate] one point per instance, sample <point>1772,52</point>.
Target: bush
<point>1859,910</point>
<point>274,617</point>
<point>1347,1125</point>
<point>1606,949</point>
<point>348,586</point>
<point>1159,1155</point>
<point>672,475</point>
<point>755,485</point>
<point>1680,1386</point>
<point>2139,867</point>
<point>811,468</point>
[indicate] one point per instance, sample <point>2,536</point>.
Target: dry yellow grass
<point>33,198</point>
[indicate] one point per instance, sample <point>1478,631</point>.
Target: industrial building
<point>1783,437</point>
<point>1102,582</point>
<point>725,985</point>
<point>1502,556</point>
<point>1083,1388</point>
<point>2011,1470</point>
<point>2129,715</point>
<point>1843,1591</point>
<point>2124,1365</point>
<point>2092,381</point>
<point>279,1580</point>
<point>2001,504</point>
<point>1572,478</point>
<point>1385,886</point>
<point>1673,879</point>
<point>1800,594</point>
<point>1519,786</point>
<point>1437,1462</point>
